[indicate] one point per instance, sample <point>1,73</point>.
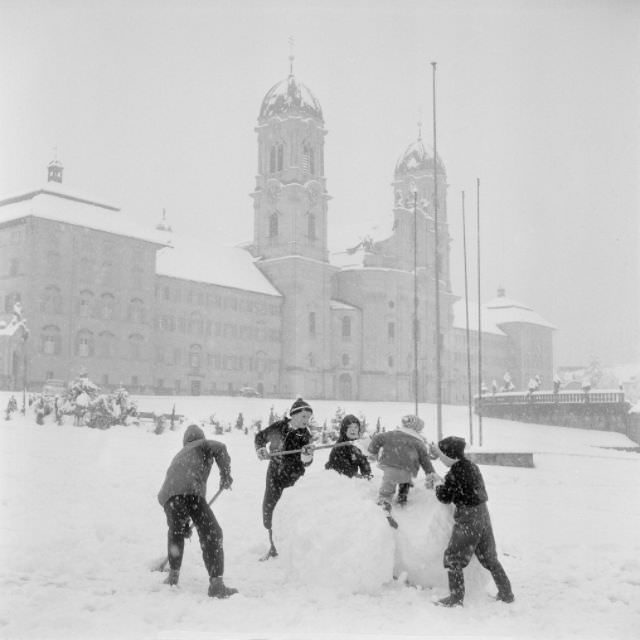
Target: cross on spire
<point>291,56</point>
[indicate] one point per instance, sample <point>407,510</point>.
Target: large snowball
<point>330,533</point>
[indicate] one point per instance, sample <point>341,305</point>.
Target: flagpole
<point>479,323</point>
<point>466,310</point>
<point>415,297</point>
<point>437,263</point>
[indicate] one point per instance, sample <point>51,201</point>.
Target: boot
<point>173,577</point>
<point>217,588</point>
<point>456,587</point>
<point>403,492</point>
<point>505,594</point>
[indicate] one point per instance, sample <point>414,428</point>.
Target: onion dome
<point>290,97</point>
<point>416,159</point>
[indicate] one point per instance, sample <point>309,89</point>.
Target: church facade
<point>142,308</point>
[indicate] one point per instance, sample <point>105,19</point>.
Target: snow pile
<point>343,541</point>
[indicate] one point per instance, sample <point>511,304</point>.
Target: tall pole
<point>437,262</point>
<point>466,310</point>
<point>479,323</point>
<point>415,297</point>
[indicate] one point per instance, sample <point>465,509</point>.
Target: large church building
<point>281,314</point>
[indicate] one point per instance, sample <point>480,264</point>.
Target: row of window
<point>212,300</point>
<point>276,159</point>
<point>196,325</point>
<point>198,359</point>
<point>87,344</point>
<point>88,305</point>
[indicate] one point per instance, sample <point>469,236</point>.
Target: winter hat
<point>193,432</point>
<point>298,406</point>
<point>412,422</point>
<point>452,447</point>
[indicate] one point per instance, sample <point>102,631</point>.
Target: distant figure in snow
<point>182,497</point>
<point>400,454</point>
<point>12,406</point>
<point>288,434</point>
<point>472,530</point>
<point>347,459</point>
<point>494,387</point>
<point>557,383</point>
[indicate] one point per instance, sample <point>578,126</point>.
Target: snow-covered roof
<point>191,259</point>
<point>506,310</point>
<point>489,324</point>
<point>495,313</point>
<point>290,97</point>
<point>416,158</point>
<point>52,202</point>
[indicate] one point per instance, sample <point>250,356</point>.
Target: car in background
<point>249,392</point>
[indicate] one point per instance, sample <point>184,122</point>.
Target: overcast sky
<point>153,104</point>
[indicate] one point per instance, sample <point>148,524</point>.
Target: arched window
<point>136,310</point>
<point>346,327</point>
<point>106,345</point>
<point>273,225</point>
<point>311,226</point>
<point>345,359</point>
<point>276,157</point>
<point>308,162</point>
<point>195,356</point>
<point>391,330</point>
<point>84,343</point>
<point>390,360</point>
<point>85,303</point>
<point>50,340</point>
<point>135,346</point>
<point>107,306</point>
<point>51,300</point>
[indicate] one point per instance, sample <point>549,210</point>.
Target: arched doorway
<point>345,390</point>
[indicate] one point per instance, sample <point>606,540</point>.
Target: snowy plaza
<point>81,527</point>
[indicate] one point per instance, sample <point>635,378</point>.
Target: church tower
<point>290,230</point>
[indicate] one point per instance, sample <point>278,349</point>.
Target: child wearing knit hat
<point>289,434</point>
<point>472,531</point>
<point>400,454</point>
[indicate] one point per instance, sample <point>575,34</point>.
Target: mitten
<point>263,454</point>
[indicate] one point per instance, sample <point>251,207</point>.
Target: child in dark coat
<point>289,434</point>
<point>182,497</point>
<point>347,459</point>
<point>472,530</point>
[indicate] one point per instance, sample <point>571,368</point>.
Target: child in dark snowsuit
<point>472,531</point>
<point>182,497</point>
<point>287,434</point>
<point>347,459</point>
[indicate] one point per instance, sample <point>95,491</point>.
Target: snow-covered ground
<point>81,527</point>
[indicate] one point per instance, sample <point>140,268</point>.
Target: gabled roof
<point>505,311</point>
<point>495,314</point>
<point>52,202</point>
<point>191,259</point>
